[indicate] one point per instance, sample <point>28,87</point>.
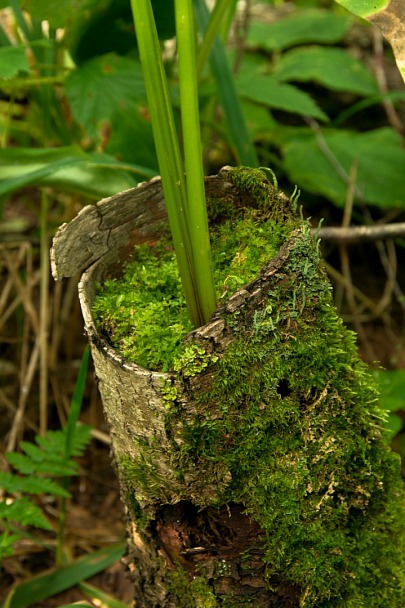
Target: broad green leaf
<point>36,589</point>
<point>268,91</point>
<point>363,8</point>
<point>389,16</point>
<point>103,87</point>
<point>107,97</point>
<point>331,67</point>
<point>59,14</point>
<point>13,59</point>
<point>393,425</point>
<point>131,140</point>
<point>380,156</point>
<point>67,169</point>
<point>322,26</point>
<point>392,388</point>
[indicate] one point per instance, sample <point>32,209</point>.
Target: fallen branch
<point>360,234</point>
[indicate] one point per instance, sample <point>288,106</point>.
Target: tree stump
<point>257,472</point>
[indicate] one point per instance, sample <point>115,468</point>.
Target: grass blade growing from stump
<point>190,118</point>
<point>170,162</point>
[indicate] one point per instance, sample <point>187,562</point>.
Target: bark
<point>195,536</point>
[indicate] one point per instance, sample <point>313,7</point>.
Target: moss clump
<point>288,426</point>
<point>185,591</point>
<point>298,426</point>
<point>143,314</point>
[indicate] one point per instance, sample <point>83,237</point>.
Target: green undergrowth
<point>143,314</point>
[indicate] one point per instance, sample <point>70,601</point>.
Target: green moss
<point>300,432</point>
<point>143,314</point>
<point>291,428</point>
<point>194,593</point>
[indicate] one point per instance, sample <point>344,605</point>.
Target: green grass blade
<point>220,11</point>
<point>100,597</point>
<point>190,118</point>
<point>49,583</point>
<point>77,606</point>
<point>228,97</point>
<point>167,147</point>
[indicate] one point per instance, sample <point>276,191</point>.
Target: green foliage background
<point>85,90</point>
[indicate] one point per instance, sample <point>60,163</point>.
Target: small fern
<point>36,468</point>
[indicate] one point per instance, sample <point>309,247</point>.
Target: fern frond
<point>6,543</point>
<point>23,512</point>
<point>35,462</point>
<point>82,438</point>
<point>30,485</point>
<point>55,441</point>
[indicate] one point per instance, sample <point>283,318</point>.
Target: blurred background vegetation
<point>323,105</point>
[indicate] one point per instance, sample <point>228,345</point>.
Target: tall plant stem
<point>168,154</point>
<point>190,119</point>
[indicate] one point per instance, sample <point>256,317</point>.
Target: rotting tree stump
<point>257,473</point>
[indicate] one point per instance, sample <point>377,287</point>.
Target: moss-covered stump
<point>256,473</point>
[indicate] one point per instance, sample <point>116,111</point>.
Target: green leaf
<point>315,165</point>
<point>167,147</point>
<point>302,27</point>
<point>99,597</point>
<point>54,441</point>
<point>268,91</point>
<point>131,140</point>
<point>67,169</point>
<point>197,218</point>
<point>364,7</point>
<point>102,88</point>
<point>331,67</point>
<point>35,461</point>
<point>30,485</point>
<point>392,388</point>
<point>58,14</point>
<point>6,543</point>
<point>13,59</point>
<point>393,425</point>
<point>23,512</point>
<point>36,589</point>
